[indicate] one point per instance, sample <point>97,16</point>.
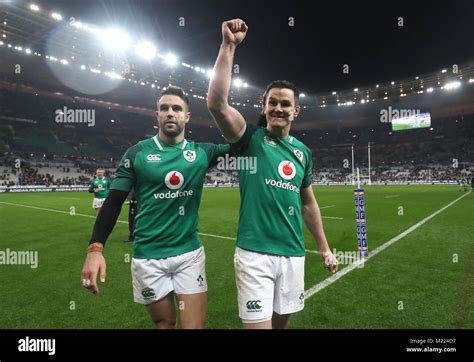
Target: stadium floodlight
<point>246,85</point>
<point>444,71</point>
<point>64,61</point>
<point>171,59</point>
<point>302,95</point>
<point>333,93</point>
<point>2,43</point>
<point>392,83</point>
<point>471,80</point>
<point>210,73</point>
<point>57,16</point>
<point>115,39</point>
<point>238,82</point>
<point>28,51</point>
<point>113,75</point>
<point>430,89</point>
<point>452,85</point>
<point>83,67</point>
<point>34,7</point>
<point>376,86</point>
<point>145,50</point>
<point>356,89</point>
<point>77,24</point>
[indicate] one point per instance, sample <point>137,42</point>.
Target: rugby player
<point>167,173</point>
<point>270,252</point>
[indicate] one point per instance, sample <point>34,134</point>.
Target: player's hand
<point>329,261</point>
<point>93,266</point>
<point>234,31</point>
<point>96,190</point>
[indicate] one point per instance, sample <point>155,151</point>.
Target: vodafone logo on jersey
<point>174,180</point>
<point>287,170</point>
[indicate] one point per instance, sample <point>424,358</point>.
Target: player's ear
<point>187,117</point>
<point>296,112</point>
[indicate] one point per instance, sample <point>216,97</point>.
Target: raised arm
<point>228,119</point>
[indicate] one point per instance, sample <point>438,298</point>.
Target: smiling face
<point>280,108</point>
<point>172,115</point>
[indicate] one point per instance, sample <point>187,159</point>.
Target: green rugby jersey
<point>168,182</point>
<point>103,184</point>
<point>270,218</point>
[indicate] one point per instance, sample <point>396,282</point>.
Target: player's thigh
<point>97,203</point>
<point>192,310</point>
<point>189,276</point>
<point>151,280</point>
<point>255,281</point>
<point>281,321</point>
<point>162,312</point>
<point>289,286</point>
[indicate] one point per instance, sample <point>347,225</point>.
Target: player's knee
<point>165,323</point>
<point>192,324</point>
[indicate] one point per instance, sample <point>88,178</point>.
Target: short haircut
<point>283,84</point>
<point>175,91</point>
<point>100,169</point>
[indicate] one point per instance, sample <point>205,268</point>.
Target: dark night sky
<point>326,35</point>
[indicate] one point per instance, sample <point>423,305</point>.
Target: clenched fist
<point>234,31</point>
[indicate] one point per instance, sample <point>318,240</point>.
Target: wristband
<point>95,247</point>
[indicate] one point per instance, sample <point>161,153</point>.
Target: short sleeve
<point>213,151</point>
<point>241,146</point>
<point>308,172</point>
<point>125,174</point>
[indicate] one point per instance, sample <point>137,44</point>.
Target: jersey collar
<point>182,144</point>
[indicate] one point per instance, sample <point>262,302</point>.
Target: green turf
<point>417,271</point>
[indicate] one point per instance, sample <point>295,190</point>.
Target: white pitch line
<point>332,217</point>
<point>328,281</point>
<point>93,217</point>
<point>391,196</point>
<point>326,207</point>
<point>70,198</point>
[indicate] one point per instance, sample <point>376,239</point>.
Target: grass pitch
<point>423,280</point>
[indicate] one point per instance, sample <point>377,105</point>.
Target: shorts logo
<point>301,297</point>
<point>200,280</point>
<point>287,170</point>
<point>153,158</point>
<point>269,141</point>
<point>254,306</point>
<point>174,180</point>
<point>148,293</point>
<point>189,155</point>
<point>298,154</point>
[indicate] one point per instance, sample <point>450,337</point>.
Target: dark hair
<point>262,121</point>
<point>175,91</point>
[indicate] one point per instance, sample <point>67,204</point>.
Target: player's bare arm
<point>229,120</point>
<point>94,264</point>
<point>312,219</point>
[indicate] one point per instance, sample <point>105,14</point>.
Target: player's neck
<point>171,140</point>
<point>279,132</point>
